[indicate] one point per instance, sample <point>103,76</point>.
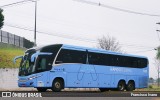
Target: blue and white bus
<point>60,66</point>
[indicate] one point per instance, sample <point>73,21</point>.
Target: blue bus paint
<point>78,75</point>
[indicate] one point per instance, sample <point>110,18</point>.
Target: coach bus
<point>60,66</point>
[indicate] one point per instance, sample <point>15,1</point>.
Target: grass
<point>150,88</point>
<point>7,54</point>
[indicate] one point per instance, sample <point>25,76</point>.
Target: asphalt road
<point>84,98</point>
<point>89,95</point>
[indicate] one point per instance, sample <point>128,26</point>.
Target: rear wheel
<point>40,89</point>
<point>121,86</point>
<point>57,85</point>
<point>130,86</point>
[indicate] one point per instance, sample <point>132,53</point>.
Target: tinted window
<point>71,56</point>
<point>142,62</point>
<point>102,59</point>
<point>51,49</point>
<point>116,60</point>
<point>94,58</point>
<point>43,63</point>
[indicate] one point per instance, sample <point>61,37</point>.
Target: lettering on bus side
<point>116,69</point>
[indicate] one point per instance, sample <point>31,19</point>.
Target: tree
<point>158,79</point>
<point>157,63</point>
<point>1,18</point>
<point>158,58</point>
<point>158,53</point>
<point>27,43</point>
<point>109,43</point>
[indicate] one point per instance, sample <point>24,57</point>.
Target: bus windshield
<point>37,59</point>
<point>26,66</point>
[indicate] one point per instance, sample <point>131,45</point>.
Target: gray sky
<point>64,19</point>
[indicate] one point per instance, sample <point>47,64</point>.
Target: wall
<point>6,37</point>
<point>9,78</point>
<point>9,38</point>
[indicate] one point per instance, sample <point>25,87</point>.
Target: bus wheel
<point>121,86</point>
<point>130,86</point>
<point>40,89</point>
<point>103,89</point>
<point>57,85</point>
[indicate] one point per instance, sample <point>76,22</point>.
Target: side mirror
<point>39,53</point>
<point>17,57</point>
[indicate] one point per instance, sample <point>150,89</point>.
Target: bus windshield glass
<point>26,66</point>
<point>43,61</point>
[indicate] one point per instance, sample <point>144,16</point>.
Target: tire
<point>130,86</point>
<point>40,89</point>
<point>57,85</point>
<point>121,86</point>
<point>103,89</point>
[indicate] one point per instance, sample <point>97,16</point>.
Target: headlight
<point>33,77</point>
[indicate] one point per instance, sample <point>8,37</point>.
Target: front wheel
<point>57,85</point>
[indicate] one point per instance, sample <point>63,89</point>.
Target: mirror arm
<point>17,57</point>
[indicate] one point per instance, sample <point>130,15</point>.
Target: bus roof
<point>99,50</point>
<point>73,47</point>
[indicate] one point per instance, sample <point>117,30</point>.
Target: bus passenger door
<point>43,65</point>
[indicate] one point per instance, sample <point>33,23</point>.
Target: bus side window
<point>43,64</point>
<point>107,60</point>
<point>67,58</point>
<point>92,58</point>
<point>142,63</point>
<point>64,57</point>
<point>78,56</point>
<point>112,60</point>
<point>71,56</point>
<point>97,58</point>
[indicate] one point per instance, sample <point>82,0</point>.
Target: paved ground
<point>87,95</point>
<point>85,98</point>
